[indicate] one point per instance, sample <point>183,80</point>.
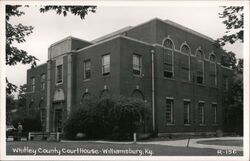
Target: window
<point>200,72</point>
<point>137,64</point>
<point>169,111</point>
<point>168,44</point>
<point>43,82</point>
<point>106,64</point>
<point>185,49</point>
<point>199,54</point>
<point>185,67</point>
<point>225,83</point>
<point>138,94</point>
<point>186,114</point>
<point>212,58</point>
<point>201,113</point>
<point>214,113</point>
<point>200,67</point>
<point>43,119</point>
<point>59,74</point>
<point>168,64</point>
<point>33,81</point>
<point>212,71</point>
<point>86,69</point>
<point>58,120</point>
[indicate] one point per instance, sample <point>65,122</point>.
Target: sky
<point>50,27</point>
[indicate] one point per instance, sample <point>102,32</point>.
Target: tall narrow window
<point>214,113</point>
<point>186,114</point>
<point>185,67</point>
<point>201,113</point>
<point>200,67</point>
<point>225,83</point>
<point>169,111</point>
<point>212,70</point>
<point>185,63</point>
<point>33,81</point>
<point>137,64</point>
<point>106,64</point>
<point>58,120</point>
<point>43,119</point>
<point>168,59</point>
<point>86,69</point>
<point>59,73</point>
<point>43,82</point>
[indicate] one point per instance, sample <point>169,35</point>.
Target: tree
<point>18,33</point>
<point>21,101</point>
<point>235,101</point>
<point>11,106</point>
<point>229,60</point>
<point>233,16</point>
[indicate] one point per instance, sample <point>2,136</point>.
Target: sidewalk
<point>193,143</point>
<point>182,143</point>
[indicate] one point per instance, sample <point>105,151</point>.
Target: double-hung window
<point>86,69</point>
<point>225,83</point>
<point>185,62</point>
<point>106,64</point>
<point>186,114</point>
<point>169,111</point>
<point>43,82</point>
<point>137,64</point>
<point>59,73</point>
<point>33,85</point>
<point>213,73</point>
<point>185,67</point>
<point>201,113</point>
<point>200,67</point>
<point>168,64</point>
<point>214,113</point>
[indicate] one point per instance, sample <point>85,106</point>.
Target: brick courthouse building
<point>175,70</point>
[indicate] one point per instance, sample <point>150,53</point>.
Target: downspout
<point>153,89</point>
<point>48,96</point>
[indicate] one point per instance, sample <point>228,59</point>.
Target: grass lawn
<point>222,142</point>
<point>91,148</point>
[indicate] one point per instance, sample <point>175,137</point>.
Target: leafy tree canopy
<point>18,33</point>
<point>233,16</point>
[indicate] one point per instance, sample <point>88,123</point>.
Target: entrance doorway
<point>58,120</point>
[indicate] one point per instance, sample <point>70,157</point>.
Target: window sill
<point>186,81</point>
<point>168,124</point>
<point>201,84</point>
<point>106,76</point>
<point>137,76</point>
<point>202,124</point>
<point>187,124</point>
<point>86,80</point>
<point>59,83</point>
<point>215,87</point>
<point>168,78</point>
<point>215,124</point>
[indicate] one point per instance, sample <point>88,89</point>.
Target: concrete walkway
<point>182,143</point>
<point>193,143</point>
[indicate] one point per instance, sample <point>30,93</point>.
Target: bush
<point>30,124</point>
<point>83,120</point>
<point>110,118</point>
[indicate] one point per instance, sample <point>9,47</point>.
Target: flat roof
<point>169,22</point>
